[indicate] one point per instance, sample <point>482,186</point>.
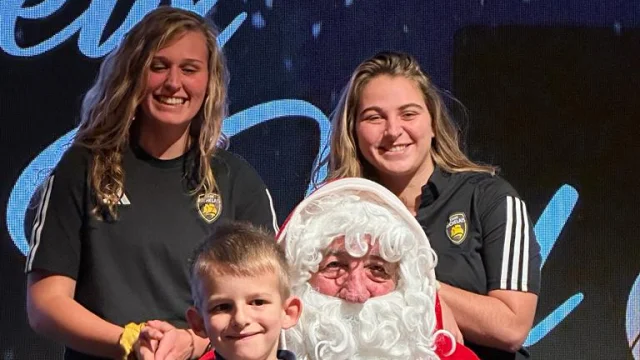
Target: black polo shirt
<point>135,268</point>
<point>483,236</point>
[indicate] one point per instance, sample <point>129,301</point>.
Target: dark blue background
<point>549,85</point>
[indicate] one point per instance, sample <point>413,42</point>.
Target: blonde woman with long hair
<point>391,126</point>
<point>143,183</point>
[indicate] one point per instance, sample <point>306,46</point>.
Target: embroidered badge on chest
<point>209,206</point>
<point>457,227</point>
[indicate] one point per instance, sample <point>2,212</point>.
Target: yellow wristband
<point>129,337</point>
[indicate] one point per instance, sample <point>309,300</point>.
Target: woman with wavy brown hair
<point>144,181</point>
<point>391,126</point>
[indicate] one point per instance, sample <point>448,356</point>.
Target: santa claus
<point>364,269</point>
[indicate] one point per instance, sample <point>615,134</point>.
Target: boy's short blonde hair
<point>238,249</point>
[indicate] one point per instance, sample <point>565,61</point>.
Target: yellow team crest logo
<point>209,206</point>
<point>457,227</point>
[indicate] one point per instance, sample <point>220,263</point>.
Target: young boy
<point>241,294</point>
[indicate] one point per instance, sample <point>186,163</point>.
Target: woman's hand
<point>147,343</point>
<point>172,343</point>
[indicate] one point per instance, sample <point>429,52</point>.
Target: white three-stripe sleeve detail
<point>39,223</point>
<point>517,243</point>
<point>36,221</point>
<point>525,249</point>
<point>507,244</point>
<point>273,212</point>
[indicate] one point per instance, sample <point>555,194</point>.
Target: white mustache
<point>384,327</point>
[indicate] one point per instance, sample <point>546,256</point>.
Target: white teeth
<point>397,148</point>
<point>171,100</point>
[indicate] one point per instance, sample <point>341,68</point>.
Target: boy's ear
<point>196,322</point>
<point>292,311</point>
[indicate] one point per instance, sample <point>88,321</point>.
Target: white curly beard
<point>399,325</point>
<point>393,326</point>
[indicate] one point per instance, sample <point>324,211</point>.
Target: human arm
<point>54,313</point>
<point>501,318</point>
<point>53,261</point>
<point>449,322</point>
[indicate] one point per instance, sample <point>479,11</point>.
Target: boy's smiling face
<point>243,315</point>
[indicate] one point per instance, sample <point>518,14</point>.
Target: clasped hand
<point>160,340</point>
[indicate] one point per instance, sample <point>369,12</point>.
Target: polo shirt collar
<point>438,181</point>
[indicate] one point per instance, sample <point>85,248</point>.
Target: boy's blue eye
<point>221,308</point>
<point>259,302</point>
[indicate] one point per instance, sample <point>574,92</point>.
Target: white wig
<point>354,208</point>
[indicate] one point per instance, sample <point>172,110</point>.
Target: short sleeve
<point>58,213</point>
<point>253,200</point>
<point>510,251</point>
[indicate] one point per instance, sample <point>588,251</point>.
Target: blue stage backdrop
<point>550,89</point>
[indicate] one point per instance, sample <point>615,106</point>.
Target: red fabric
<point>438,313</point>
<point>443,342</point>
<point>208,356</point>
